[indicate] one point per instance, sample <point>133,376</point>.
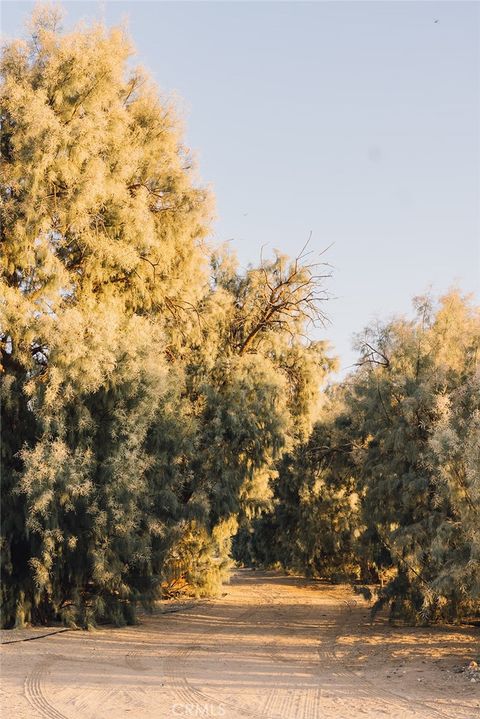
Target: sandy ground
<point>273,647</point>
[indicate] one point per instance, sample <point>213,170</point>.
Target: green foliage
<point>101,220</point>
<point>409,371</point>
<point>455,444</point>
<point>144,401</point>
<point>387,486</point>
<point>159,407</point>
<point>315,512</point>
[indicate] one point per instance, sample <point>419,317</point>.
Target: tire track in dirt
<point>192,696</point>
<point>302,703</point>
<point>327,653</point>
<point>34,690</point>
<point>311,701</point>
<point>356,686</point>
<point>275,706</point>
<point>34,693</point>
<point>133,660</point>
<point>393,700</point>
<point>285,628</point>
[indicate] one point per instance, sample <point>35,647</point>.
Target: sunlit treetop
<point>101,207</point>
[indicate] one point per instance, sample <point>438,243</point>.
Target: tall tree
<point>102,231</point>
<point>148,386</point>
<point>386,487</point>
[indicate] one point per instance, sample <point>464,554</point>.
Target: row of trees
<point>148,387</point>
<point>158,403</point>
<point>387,487</point>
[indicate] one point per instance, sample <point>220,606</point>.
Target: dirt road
<point>274,647</point>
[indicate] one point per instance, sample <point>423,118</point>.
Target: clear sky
<point>356,121</point>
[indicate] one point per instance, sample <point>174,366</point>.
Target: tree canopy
<point>386,488</point>
<point>164,413</point>
<point>148,386</point>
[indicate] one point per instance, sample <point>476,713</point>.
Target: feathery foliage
<point>386,487</point>
<point>148,387</point>
<point>161,411</point>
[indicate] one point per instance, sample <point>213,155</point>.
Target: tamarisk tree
<point>386,487</point>
<point>102,229</point>
<point>148,387</point>
<point>409,371</point>
<point>253,380</point>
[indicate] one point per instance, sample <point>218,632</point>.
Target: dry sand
<point>273,647</point>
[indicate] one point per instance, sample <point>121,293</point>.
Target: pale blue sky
<point>357,121</point>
